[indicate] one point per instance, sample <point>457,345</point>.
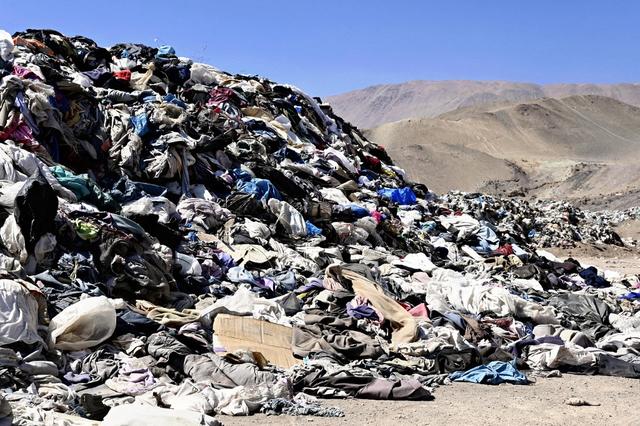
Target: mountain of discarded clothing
<point>181,238</point>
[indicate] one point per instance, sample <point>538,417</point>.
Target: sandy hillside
<point>579,147</point>
<point>375,105</point>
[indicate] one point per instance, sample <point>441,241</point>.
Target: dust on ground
<point>540,403</point>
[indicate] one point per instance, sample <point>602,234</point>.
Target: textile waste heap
<point>179,242</point>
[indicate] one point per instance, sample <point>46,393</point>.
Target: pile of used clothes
<point>178,242</point>
<point>544,223</point>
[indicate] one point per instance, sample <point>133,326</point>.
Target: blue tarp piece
<point>494,373</point>
<point>165,51</point>
<point>140,124</point>
<point>312,229</point>
<point>262,188</point>
<point>359,211</point>
<point>402,196</point>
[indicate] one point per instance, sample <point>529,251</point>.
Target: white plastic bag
<point>6,45</point>
<point>84,324</point>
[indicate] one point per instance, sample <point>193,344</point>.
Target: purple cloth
<point>361,311</point>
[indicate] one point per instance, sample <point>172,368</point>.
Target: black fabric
<point>35,209</point>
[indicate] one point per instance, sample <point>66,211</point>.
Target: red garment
<point>220,95</point>
<point>373,163</point>
<point>377,216</point>
<point>123,75</point>
<point>505,250</point>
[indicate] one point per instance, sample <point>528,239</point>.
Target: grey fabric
<point>332,336</point>
<point>214,370</point>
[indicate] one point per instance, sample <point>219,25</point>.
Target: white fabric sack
<point>83,325</point>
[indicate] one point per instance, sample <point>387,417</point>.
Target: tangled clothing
<point>549,356</point>
<point>451,289</point>
<point>18,314</point>
<point>584,312</point>
<point>246,302</point>
<point>615,341</point>
<point>202,398</point>
<point>573,336</point>
<point>291,220</point>
<point>433,340</point>
<point>214,370</point>
<point>100,365</point>
<point>329,336</point>
<point>591,277</point>
<point>147,415</point>
<point>609,365</point>
<point>207,214</point>
<point>167,316</point>
<point>167,349</point>
<point>84,189</point>
<point>261,188</point>
<point>318,382</point>
<point>27,164</point>
<point>139,274</point>
<point>464,225</point>
<point>299,408</point>
<point>13,239</point>
<point>402,322</point>
<point>625,321</point>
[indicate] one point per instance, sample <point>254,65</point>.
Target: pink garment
<point>23,72</point>
<point>419,311</point>
<point>377,216</point>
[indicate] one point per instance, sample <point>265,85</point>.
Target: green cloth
<point>86,230</point>
<point>84,189</point>
<point>76,184</point>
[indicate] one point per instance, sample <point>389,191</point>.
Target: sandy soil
<point>625,260</point>
<point>540,403</point>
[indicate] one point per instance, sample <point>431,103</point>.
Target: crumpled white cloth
<point>628,339</point>
<point>465,224</point>
<point>18,314</point>
<point>194,397</point>
<point>148,415</point>
<point>548,356</point>
<point>450,289</point>
<point>246,302</point>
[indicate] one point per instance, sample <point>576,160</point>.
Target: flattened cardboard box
<point>272,340</point>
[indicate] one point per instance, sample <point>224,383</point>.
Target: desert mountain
<point>582,146</point>
<point>385,103</point>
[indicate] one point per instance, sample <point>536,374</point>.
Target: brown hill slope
<point>386,103</point>
<point>575,147</point>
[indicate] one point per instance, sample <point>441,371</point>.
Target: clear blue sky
<point>331,46</point>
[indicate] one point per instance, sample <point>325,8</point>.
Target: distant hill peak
<point>385,103</point>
